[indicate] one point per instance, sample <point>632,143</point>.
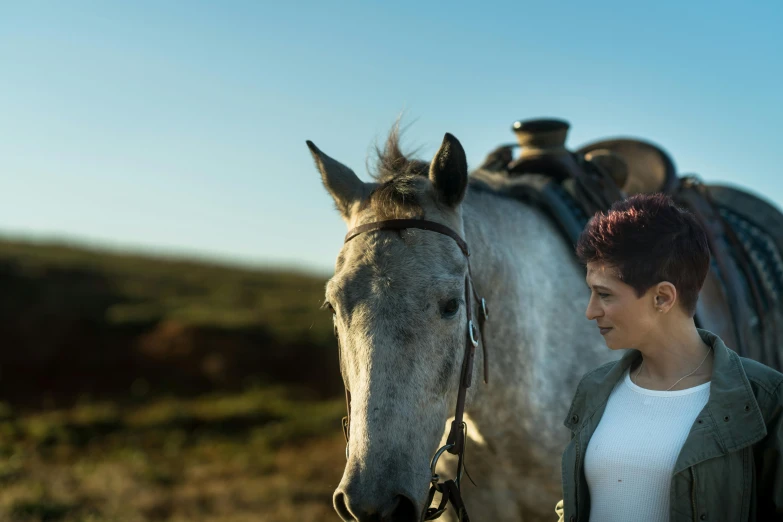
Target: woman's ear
<point>665,296</point>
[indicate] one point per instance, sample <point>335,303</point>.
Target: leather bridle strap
<point>456,435</point>
<point>399,224</point>
<point>455,442</point>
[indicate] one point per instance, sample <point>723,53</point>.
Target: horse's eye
<point>451,307</point>
<point>327,305</point>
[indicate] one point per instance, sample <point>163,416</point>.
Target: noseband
<point>455,443</point>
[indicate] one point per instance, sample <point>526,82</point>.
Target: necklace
<point>681,378</point>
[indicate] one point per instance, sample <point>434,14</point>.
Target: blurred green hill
<point>137,389</point>
<point>76,322</point>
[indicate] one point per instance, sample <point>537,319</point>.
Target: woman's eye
<point>603,295</point>
<point>451,307</point>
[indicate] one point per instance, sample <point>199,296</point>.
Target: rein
<point>455,443</point>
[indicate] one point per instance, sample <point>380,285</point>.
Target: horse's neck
<point>538,342</point>
<point>533,285</point>
<point>518,257</point>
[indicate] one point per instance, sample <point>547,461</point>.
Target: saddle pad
<point>758,226</point>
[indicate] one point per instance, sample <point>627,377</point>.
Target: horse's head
<point>398,298</point>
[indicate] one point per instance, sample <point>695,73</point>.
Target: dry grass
<point>262,455</point>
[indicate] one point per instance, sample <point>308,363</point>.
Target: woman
<point>680,428</point>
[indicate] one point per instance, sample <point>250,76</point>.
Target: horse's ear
<point>449,171</point>
<point>345,187</point>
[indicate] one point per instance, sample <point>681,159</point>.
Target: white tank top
<point>631,455</point>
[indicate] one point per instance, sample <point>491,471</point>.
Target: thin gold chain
<point>681,378</point>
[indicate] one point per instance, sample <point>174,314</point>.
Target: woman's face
<point>624,319</point>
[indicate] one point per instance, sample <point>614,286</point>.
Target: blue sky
<point>180,127</point>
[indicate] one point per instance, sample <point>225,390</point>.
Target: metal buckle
<point>484,308</point>
<point>434,461</point>
<point>435,512</point>
<point>472,331</point>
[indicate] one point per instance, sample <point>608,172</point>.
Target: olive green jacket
<point>731,465</point>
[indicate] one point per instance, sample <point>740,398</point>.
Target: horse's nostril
<point>405,511</point>
<point>400,509</point>
<point>341,508</point>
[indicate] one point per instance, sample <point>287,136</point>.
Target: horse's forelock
<point>400,191</point>
<point>393,163</point>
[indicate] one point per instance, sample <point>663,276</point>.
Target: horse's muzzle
<point>398,509</point>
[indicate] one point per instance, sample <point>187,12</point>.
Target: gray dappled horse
<point>398,299</point>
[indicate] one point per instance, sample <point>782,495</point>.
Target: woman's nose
<point>592,311</point>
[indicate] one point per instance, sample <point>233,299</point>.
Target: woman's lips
<point>604,330</point>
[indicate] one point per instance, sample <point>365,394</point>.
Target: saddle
<point>741,297</point>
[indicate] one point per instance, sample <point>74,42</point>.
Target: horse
<point>399,299</point>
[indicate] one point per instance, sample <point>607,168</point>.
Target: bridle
<point>455,443</point>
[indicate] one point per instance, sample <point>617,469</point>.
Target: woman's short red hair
<point>647,238</point>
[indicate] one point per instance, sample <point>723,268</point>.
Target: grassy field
<point>135,388</point>
<point>267,454</point>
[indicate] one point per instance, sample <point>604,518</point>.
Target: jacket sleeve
<point>769,460</point>
<point>559,509</point>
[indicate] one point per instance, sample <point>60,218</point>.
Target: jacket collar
<point>732,412</point>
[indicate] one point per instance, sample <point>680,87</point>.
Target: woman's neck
<point>674,352</point>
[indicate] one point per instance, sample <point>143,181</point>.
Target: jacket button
<point>703,516</point>
<point>572,518</point>
<point>574,418</point>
